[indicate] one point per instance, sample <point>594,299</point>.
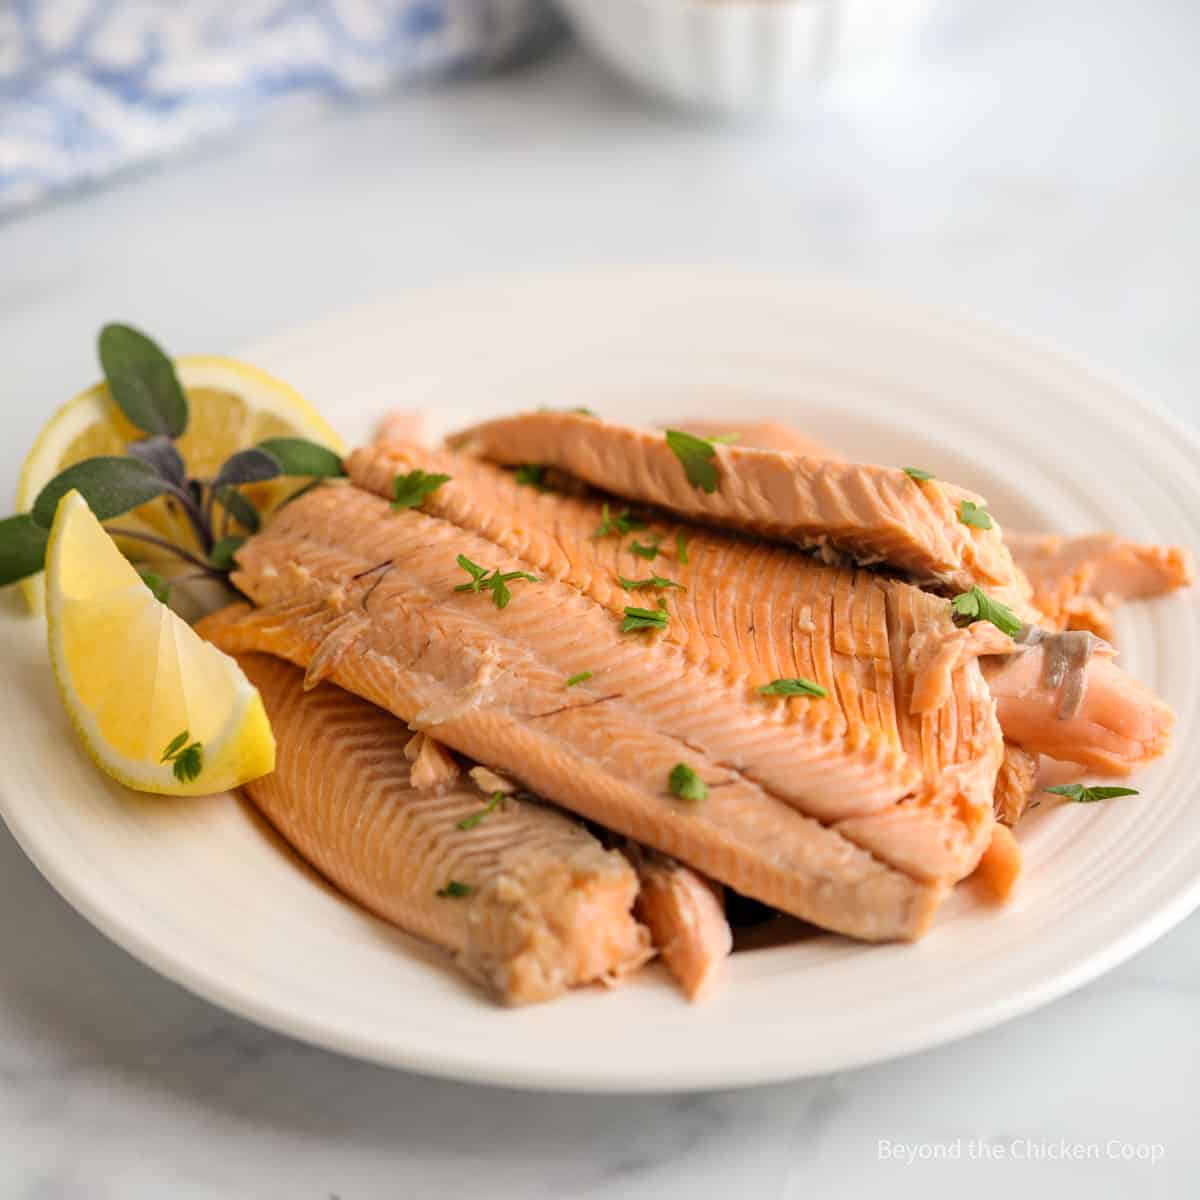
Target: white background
<point>1037,163</point>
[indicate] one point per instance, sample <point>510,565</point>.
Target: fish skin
<point>685,914</point>
<point>874,514</point>
<point>1121,724</point>
<point>550,909</point>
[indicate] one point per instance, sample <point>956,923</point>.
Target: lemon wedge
<point>231,406</point>
<point>157,707</point>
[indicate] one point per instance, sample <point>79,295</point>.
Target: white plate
<point>201,892</point>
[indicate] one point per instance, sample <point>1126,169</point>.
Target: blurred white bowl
<point>744,56</point>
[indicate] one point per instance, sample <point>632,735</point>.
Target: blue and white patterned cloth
<point>89,87</point>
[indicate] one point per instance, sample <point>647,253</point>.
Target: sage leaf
<point>297,456</point>
<point>110,485</point>
<point>240,509</point>
<point>157,584</point>
<point>221,555</point>
<point>142,381</point>
<point>247,466</point>
<point>22,548</point>
<point>159,451</point>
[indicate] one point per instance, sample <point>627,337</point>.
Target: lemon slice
<point>231,405</point>
<point>158,708</point>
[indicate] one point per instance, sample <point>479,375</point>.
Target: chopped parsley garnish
<point>493,581</point>
<point>469,822</point>
<point>917,474</point>
<point>409,491</point>
<point>681,547</point>
<point>1089,795</point>
<point>187,761</point>
<point>696,454</point>
<point>793,687</point>
<point>454,890</point>
<point>970,513</point>
<point>646,550</point>
<point>977,605</point>
<point>686,784</point>
<point>624,522</point>
<point>645,618</point>
<point>533,475</point>
<point>582,677</point>
<point>655,581</point>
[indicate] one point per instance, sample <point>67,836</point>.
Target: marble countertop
<point>1035,164</point>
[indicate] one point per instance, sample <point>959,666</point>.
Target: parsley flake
<point>533,475</point>
<point>975,515</point>
<point>645,618</point>
<point>681,547</point>
<point>696,454</point>
<point>646,550</point>
<point>1089,795</point>
<point>793,687</point>
<point>655,581</point>
<point>187,761</point>
<point>624,522</point>
<point>469,822</point>
<point>686,784</point>
<point>493,581</point>
<point>917,474</point>
<point>977,605</point>
<point>582,677</point>
<point>410,491</point>
<point>454,890</point>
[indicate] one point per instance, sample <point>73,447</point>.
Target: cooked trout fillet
<point>874,514</point>
<point>685,914</point>
<point>900,710</point>
<point>1078,581</point>
<point>366,596</point>
<point>549,907</point>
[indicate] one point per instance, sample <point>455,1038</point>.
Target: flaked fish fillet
<point>366,596</point>
<point>1079,581</point>
<point>685,914</point>
<point>874,514</point>
<point>1016,782</point>
<point>549,907</point>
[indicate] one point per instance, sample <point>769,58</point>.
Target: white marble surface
<point>1038,164</point>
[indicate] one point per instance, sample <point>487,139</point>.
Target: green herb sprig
<point>411,490</point>
<point>794,687</point>
<point>186,759</point>
<point>977,605</point>
<point>493,581</point>
<point>469,822</point>
<point>576,680</point>
<point>686,784</point>
<point>621,523</point>
<point>697,455</point>
<point>655,581</point>
<point>454,890</point>
<point>1082,794</point>
<point>142,381</point>
<point>974,515</point>
<point>637,619</point>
